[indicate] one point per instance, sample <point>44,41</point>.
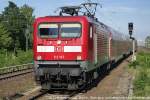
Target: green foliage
<point>14,37</point>
<point>13,20</point>
<point>142,80</point>
<point>134,64</point>
<point>5,39</point>
<point>16,21</point>
<point>25,57</point>
<point>142,83</point>
<point>143,60</point>
<point>27,11</point>
<point>8,59</point>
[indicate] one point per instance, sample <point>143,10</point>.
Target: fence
<point>11,69</point>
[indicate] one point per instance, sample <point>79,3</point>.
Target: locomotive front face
<point>59,41</point>
<point>60,55</point>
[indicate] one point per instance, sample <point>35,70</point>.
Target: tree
<point>5,39</point>
<point>18,22</point>
<point>27,11</point>
<point>14,22</point>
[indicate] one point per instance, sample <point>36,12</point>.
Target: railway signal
<point>130,28</point>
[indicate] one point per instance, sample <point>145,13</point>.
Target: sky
<point>114,13</point>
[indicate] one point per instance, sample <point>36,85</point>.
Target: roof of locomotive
<point>70,17</point>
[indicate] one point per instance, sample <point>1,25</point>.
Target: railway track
<point>55,95</point>
<point>38,94</point>
<point>14,71</point>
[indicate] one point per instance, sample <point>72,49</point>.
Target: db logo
<point>58,49</point>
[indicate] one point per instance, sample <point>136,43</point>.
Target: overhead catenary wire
<point>109,18</point>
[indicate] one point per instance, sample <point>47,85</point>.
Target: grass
<point>141,68</point>
<point>8,58</point>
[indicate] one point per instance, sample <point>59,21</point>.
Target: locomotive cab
<point>60,51</point>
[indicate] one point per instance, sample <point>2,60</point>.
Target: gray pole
<point>133,50</point>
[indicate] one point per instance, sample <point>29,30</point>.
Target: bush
<point>142,80</point>
<point>142,84</point>
<point>8,58</point>
<point>134,64</point>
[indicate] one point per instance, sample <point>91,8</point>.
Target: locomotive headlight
<point>39,57</point>
<point>78,57</point>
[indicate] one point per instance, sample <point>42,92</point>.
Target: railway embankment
<point>140,70</point>
<point>16,79</point>
<point>16,85</point>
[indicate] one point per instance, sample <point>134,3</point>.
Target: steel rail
<point>38,95</point>
<point>14,71</point>
<point>11,69</point>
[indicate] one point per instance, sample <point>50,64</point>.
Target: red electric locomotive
<point>70,51</point>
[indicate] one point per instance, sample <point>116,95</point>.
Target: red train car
<point>70,51</point>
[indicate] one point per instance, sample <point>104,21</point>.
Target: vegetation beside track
<point>141,70</point>
<point>16,34</point>
<point>8,58</point>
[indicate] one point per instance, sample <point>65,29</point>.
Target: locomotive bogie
<point>60,74</point>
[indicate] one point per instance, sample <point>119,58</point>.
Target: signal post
<point>130,28</point>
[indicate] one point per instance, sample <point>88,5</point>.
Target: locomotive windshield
<point>66,30</point>
<point>70,30</point>
<point>48,30</point>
